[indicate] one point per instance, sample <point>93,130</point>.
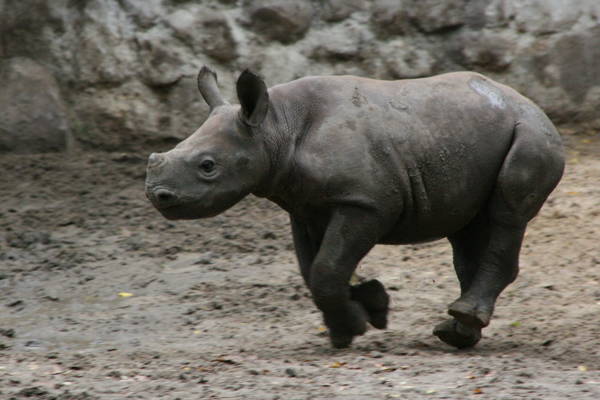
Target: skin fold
<point>358,162</point>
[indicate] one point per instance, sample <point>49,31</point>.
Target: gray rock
<point>33,117</point>
<point>391,17</point>
<point>144,13</point>
<point>577,58</point>
<point>488,50</point>
<point>185,109</point>
<point>126,68</point>
<point>24,26</point>
<point>433,16</point>
<point>338,10</point>
<point>162,60</point>
<point>476,16</point>
<point>546,16</point>
<point>279,63</point>
<point>342,42</point>
<point>205,31</point>
<point>403,60</point>
<point>498,14</point>
<point>281,20</point>
<point>111,118</point>
<point>568,62</point>
<point>105,45</point>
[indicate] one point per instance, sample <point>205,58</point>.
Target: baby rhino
<point>356,162</point>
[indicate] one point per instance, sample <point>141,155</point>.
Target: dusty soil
<point>101,298</point>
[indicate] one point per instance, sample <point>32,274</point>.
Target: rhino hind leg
<point>457,334</point>
<point>487,252</point>
<point>468,246</point>
<point>373,297</point>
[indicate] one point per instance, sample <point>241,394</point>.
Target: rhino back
<point>422,152</point>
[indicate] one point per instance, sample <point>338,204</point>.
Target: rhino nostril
<point>164,196</point>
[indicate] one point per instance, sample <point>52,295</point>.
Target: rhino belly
<point>439,202</point>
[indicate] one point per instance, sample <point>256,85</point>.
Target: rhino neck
<point>287,124</point>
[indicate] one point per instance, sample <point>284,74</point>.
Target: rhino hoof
<point>341,341</point>
<point>343,330</point>
<point>456,334</point>
<point>468,313</point>
<point>374,299</point>
<point>378,319</point>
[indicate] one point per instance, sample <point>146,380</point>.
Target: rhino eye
<point>207,166</point>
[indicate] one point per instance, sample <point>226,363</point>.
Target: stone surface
<point>391,17</point>
<point>105,44</point>
<point>33,117</point>
<point>205,31</point>
<point>126,69</point>
<point>488,50</point>
<point>161,60</point>
<point>433,15</point>
<point>342,42</point>
<point>281,20</point>
<point>338,10</point>
<point>545,16</point>
<point>402,60</point>
<point>577,58</point>
<point>23,25</point>
<point>279,64</point>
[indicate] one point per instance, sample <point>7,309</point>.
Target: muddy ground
<point>101,298</point>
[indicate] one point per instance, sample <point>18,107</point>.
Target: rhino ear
<point>254,99</point>
<point>207,85</point>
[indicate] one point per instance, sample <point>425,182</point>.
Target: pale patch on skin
<point>489,92</point>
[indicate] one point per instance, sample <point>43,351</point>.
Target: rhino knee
<point>329,292</point>
<point>329,298</point>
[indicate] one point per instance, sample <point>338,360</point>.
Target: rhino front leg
<point>349,236</point>
<point>306,246</point>
<point>371,294</point>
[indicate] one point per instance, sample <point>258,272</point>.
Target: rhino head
<point>221,162</point>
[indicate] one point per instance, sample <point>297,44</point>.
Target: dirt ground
<point>101,298</point>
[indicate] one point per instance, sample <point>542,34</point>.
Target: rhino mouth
<point>187,211</point>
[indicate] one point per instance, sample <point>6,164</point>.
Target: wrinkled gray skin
<point>356,162</point>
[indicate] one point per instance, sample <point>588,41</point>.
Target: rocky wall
<point>111,74</point>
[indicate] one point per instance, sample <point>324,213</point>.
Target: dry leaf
<point>125,294</point>
<point>337,364</point>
